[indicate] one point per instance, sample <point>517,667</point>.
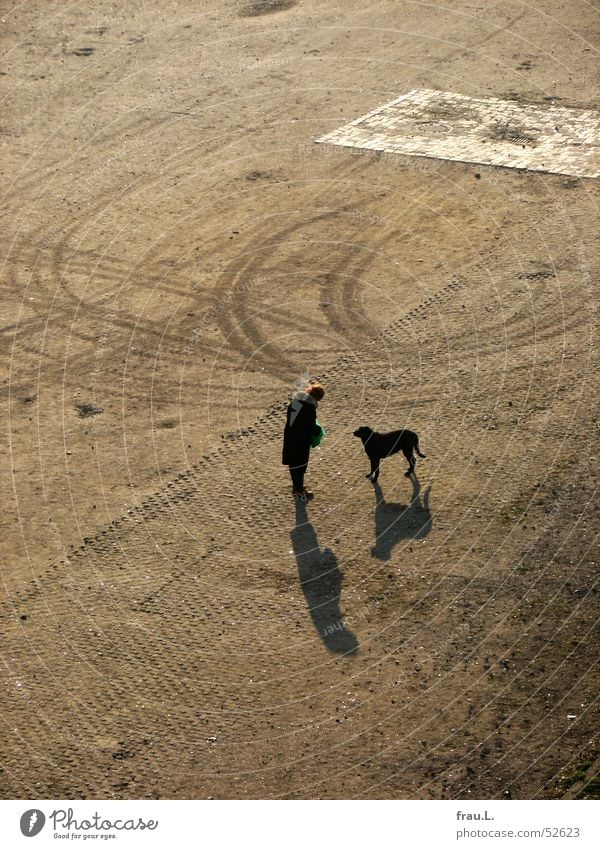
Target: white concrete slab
<point>510,134</point>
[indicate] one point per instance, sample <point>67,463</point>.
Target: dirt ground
<point>175,250</point>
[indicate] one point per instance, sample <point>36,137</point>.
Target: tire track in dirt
<point>161,713</point>
<point>395,331</point>
<point>194,535</point>
<point>267,426</point>
<point>238,325</point>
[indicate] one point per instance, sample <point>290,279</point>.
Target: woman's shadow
<point>321,582</point>
<point>395,522</point>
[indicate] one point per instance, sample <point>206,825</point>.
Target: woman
<point>300,428</point>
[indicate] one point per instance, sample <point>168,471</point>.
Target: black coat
<point>297,436</point>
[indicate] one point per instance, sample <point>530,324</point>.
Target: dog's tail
<point>418,450</point>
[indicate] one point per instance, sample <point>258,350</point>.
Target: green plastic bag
<point>317,439</point>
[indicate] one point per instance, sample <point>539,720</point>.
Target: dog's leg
<point>408,453</point>
<point>374,473</point>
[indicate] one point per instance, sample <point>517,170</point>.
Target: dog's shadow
<point>321,582</point>
<point>395,522</point>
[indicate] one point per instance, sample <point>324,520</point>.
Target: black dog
<point>380,445</point>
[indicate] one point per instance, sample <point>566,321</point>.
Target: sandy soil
<point>175,249</point>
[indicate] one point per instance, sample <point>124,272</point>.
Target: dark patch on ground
<point>259,175</point>
<point>265,7</point>
<point>543,274</point>
<point>511,133</point>
<point>82,51</point>
<point>85,410</point>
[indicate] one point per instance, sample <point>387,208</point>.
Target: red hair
<point>316,390</point>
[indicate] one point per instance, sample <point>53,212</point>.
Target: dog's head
<point>363,433</point>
